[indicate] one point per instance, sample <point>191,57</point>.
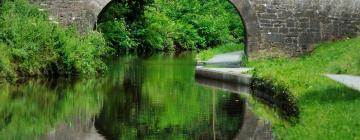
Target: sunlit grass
<point>328,110</point>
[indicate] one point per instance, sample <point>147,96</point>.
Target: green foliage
<point>181,25</point>
<point>117,35</point>
<point>325,106</point>
<point>32,109</point>
<point>5,63</point>
<point>176,109</point>
<point>210,18</point>
<point>128,103</point>
<point>33,45</point>
<point>130,10</point>
<point>162,33</point>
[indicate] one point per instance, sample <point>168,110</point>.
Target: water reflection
<point>252,127</point>
<point>34,106</point>
<point>78,129</point>
<point>155,97</point>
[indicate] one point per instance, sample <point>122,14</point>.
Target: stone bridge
<point>273,27</point>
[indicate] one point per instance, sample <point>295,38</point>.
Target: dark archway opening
<point>147,25</point>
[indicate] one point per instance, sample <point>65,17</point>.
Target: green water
<point>153,97</point>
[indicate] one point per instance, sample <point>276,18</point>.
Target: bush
<point>36,46</point>
<point>215,21</point>
<point>162,33</point>
<point>5,63</point>
<point>130,10</point>
<point>213,30</point>
<point>117,35</point>
<point>181,24</point>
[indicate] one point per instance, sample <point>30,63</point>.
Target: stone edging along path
<point>228,69</point>
<point>233,75</point>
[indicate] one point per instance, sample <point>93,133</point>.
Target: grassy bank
<point>32,45</point>
<point>328,110</point>
<point>209,53</point>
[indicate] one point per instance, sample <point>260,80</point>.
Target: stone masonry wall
<point>291,27</point>
<point>273,27</point>
<point>80,13</point>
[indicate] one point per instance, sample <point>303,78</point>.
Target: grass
<point>230,47</point>
<point>328,110</point>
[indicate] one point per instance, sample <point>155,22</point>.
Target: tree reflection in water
<point>140,98</point>
<point>158,98</point>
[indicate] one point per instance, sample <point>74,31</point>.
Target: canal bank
<point>328,110</point>
<point>324,105</point>
<point>227,68</point>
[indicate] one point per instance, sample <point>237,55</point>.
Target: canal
<point>141,97</point>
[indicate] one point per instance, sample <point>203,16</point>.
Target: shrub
<point>162,33</point>
<point>181,24</point>
<point>213,30</point>
<point>117,34</point>
<point>36,46</point>
<point>5,63</point>
<point>215,21</point>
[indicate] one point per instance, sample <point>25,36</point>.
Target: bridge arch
<point>273,27</point>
